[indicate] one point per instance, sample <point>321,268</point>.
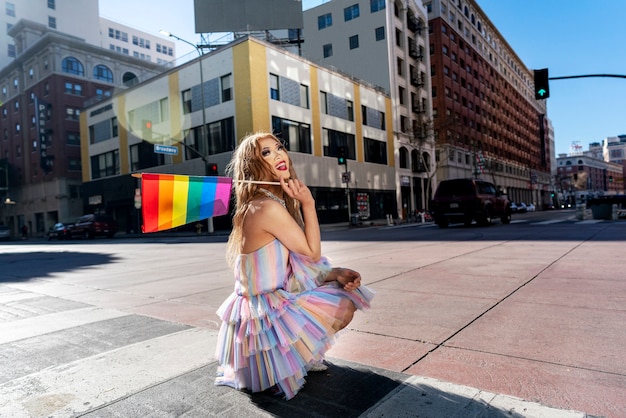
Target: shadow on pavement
<point>19,267</point>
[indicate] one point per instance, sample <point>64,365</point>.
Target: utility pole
<point>204,142</point>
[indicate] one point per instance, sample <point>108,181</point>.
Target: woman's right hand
<point>296,189</point>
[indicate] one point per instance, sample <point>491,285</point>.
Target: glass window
<point>295,135</point>
<point>71,65</point>
<point>274,92</point>
<point>380,33</point>
<point>102,73</point>
<point>304,96</point>
<point>328,50</point>
<point>186,96</point>
<point>324,21</point>
<point>354,42</point>
<point>227,90</point>
<point>51,4</point>
<point>52,22</point>
<point>10,9</point>
<point>377,5</point>
<point>351,12</point>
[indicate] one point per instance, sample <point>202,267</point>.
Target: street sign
<point>165,149</point>
<point>345,177</point>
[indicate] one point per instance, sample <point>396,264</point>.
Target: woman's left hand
<point>349,278</point>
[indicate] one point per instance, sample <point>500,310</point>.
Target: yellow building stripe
<point>391,157</point>
<point>358,122</point>
<point>250,75</point>
<point>314,95</point>
<point>123,134</point>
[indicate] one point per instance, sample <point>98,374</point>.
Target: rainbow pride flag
<point>171,200</point>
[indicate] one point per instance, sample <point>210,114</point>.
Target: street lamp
<point>204,142</point>
<point>199,51</point>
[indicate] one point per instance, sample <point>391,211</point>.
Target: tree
<point>421,137</point>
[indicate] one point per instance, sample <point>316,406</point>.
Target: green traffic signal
<point>341,156</point>
<point>542,87</point>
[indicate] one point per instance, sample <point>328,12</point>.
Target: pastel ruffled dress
<point>279,320</point>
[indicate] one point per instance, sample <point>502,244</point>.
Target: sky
<point>569,37</point>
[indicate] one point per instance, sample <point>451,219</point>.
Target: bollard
<point>580,211</point>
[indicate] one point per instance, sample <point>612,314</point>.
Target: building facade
<point>82,19</point>
<point>43,91</point>
<point>586,175</point>
<point>248,86</point>
<point>487,121</point>
<point>385,43</point>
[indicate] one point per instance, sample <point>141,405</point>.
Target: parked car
<point>530,207</point>
<point>60,231</point>
<point>91,226</point>
<point>5,233</point>
<point>521,207</point>
<point>514,208</point>
<point>466,200</point>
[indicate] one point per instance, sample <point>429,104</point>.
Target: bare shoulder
<point>261,215</point>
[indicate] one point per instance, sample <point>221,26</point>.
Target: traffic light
<point>542,87</point>
<point>212,169</point>
<point>341,156</point>
<point>146,130</point>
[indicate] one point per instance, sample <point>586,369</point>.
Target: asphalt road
<point>535,309</point>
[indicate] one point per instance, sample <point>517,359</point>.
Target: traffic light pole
<point>348,194</point>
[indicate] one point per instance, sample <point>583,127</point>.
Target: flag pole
<point>271,183</point>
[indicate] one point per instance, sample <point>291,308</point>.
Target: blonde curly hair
<point>247,163</point>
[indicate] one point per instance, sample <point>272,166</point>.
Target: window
<point>222,136</point>
<point>52,22</point>
<point>10,9</point>
<point>304,96</point>
<point>73,164</point>
<point>72,114</point>
<point>274,93</point>
<point>375,151</point>
<point>350,110</point>
<point>377,5</point>
<point>71,65</point>
<point>102,73</point>
<point>227,91</point>
<point>323,102</point>
<point>186,97</point>
<point>328,50</point>
<point>351,12</point>
<point>107,164</point>
<point>73,138</point>
<point>75,89</point>
<point>332,140</point>
<point>404,158</point>
<point>51,4</point>
<point>295,135</point>
<point>11,50</point>
<point>380,33</point>
<point>354,42</point>
<point>324,21</point>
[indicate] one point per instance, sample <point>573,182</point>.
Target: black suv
<point>466,200</point>
<point>90,226</point>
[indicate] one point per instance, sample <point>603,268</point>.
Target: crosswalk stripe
<point>44,324</point>
<point>551,221</point>
<point>81,385</point>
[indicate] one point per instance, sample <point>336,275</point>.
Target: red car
<point>91,226</point>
